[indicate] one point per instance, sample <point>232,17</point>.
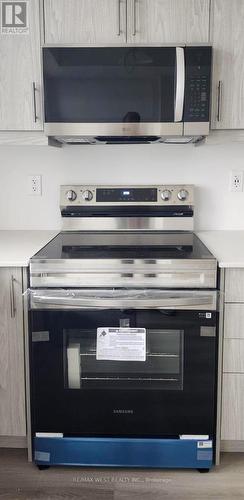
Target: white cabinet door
<point>234,321</point>
<point>20,74</point>
<point>168,21</point>
<point>234,285</point>
<point>12,383</point>
<point>85,21</point>
<point>233,357</point>
<point>232,427</point>
<point>228,68</point>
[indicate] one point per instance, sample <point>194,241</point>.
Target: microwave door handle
<point>180,84</point>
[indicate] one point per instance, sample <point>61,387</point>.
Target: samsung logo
<point>123,411</point>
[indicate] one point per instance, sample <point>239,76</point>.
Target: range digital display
<point>114,195</point>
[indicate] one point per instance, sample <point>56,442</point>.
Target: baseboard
<point>232,445</point>
<point>13,442</point>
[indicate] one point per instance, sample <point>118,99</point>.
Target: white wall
<point>207,167</point>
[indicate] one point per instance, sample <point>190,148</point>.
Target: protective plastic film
<point>114,298</point>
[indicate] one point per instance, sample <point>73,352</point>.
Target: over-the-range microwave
<point>127,94</point>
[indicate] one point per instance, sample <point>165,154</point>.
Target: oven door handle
<point>73,300</point>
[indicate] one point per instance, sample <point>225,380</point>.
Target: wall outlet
<point>35,185</point>
<point>236,181</point>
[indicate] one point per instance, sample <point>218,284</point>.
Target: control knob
<point>183,195</point>
<point>71,195</point>
<point>166,195</point>
<point>87,195</point>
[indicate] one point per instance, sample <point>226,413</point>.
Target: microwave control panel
<point>197,84</point>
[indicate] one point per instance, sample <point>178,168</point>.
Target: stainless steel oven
<point>123,364</point>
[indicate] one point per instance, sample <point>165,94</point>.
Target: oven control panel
<point>78,195</point>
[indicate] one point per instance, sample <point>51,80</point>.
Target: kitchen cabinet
<point>232,426</point>
<point>234,285</point>
<point>121,21</point>
<point>85,22</point>
<point>20,76</point>
<point>233,407</point>
<point>168,21</point>
<point>227,20</point>
<point>233,359</point>
<point>12,373</point>
<point>234,320</point>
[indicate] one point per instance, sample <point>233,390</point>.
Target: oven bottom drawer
<point>119,452</point>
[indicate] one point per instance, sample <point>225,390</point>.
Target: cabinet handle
<point>134,18</point>
<point>34,89</point>
<point>12,297</point>
<point>118,32</point>
<point>219,102</point>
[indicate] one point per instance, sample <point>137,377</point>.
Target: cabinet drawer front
<point>232,426</point>
<point>234,285</point>
<point>234,321</point>
<point>233,360</point>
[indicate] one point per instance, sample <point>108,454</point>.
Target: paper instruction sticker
<point>121,344</point>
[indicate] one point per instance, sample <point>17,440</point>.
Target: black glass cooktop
<point>158,245</point>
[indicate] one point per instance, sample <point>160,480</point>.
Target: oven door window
<point>162,368</point>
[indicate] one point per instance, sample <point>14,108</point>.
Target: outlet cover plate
<point>236,181</point>
<point>35,185</point>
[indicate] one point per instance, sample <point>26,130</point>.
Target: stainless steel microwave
<point>126,94</point>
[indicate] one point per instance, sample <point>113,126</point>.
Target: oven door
<point>164,388</point>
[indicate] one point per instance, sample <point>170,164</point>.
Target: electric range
<point>123,332</point>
